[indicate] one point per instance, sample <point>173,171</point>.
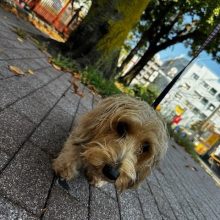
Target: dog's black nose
<point>111,172</point>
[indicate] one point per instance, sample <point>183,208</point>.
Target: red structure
<point>57,13</point>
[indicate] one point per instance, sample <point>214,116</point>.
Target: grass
<point>21,33</point>
<point>90,76</point>
<point>64,63</point>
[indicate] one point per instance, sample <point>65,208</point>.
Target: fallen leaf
<point>31,72</point>
<point>191,167</point>
<point>20,39</point>
<point>56,67</point>
<point>76,88</point>
<point>92,89</point>
<point>16,70</point>
<point>77,75</point>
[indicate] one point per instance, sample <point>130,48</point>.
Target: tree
<point>99,38</point>
<point>166,23</point>
<point>147,93</point>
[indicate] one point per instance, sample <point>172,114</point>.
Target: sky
<point>180,50</point>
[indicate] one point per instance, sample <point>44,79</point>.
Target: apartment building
<point>197,93</point>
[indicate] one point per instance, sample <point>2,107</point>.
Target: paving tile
<point>103,206</point>
<point>173,200</point>
<point>21,86</point>
<point>109,190</point>
<point>27,179</point>
<point>61,118</point>
<point>79,189</point>
<point>87,100</point>
<point>7,97</point>
<point>10,211</point>
<point>53,131</point>
<point>5,43</point>
<point>187,203</point>
<point>148,203</point>
<point>161,199</point>
<point>3,159</point>
<point>58,86</point>
<point>62,206</point>
<point>69,106</point>
<point>32,108</point>
<point>14,129</point>
<point>50,137</point>
<point>195,187</point>
<point>130,206</point>
<point>5,72</point>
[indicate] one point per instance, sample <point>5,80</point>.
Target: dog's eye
<point>122,129</point>
<point>145,147</point>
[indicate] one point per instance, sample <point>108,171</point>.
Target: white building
<point>198,93</point>
<point>149,73</point>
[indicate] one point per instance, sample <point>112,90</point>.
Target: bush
<point>183,140</point>
<point>146,93</point>
<point>104,87</point>
<point>64,62</point>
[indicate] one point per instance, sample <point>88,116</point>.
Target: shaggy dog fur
<point>119,141</point>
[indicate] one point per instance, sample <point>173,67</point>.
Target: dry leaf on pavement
<point>191,167</point>
<point>76,89</point>
<point>31,72</point>
<point>20,39</point>
<point>76,75</point>
<point>16,70</point>
<point>56,67</point>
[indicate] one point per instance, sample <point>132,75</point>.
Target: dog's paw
<point>65,170</point>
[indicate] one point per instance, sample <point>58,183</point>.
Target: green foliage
<point>170,22</point>
<point>147,93</point>
<point>184,141</point>
<point>20,32</point>
<point>91,76</point>
<point>64,62</point>
<point>196,126</point>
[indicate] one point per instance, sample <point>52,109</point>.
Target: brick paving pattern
<point>36,114</point>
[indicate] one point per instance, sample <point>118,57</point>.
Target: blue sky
<point>180,50</point>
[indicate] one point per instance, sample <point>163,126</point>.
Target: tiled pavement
<point>36,114</point>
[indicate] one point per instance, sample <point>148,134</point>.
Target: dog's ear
<point>91,123</point>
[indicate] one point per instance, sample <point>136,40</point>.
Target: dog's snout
<point>111,172</point>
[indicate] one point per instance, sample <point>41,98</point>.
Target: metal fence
<point>58,13</point>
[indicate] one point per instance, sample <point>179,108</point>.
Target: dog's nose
<point>111,172</point>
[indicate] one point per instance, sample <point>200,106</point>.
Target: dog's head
<point>123,139</point>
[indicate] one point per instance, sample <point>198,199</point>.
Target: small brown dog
<point>119,141</point>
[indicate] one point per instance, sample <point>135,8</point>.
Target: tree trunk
<point>98,39</point>
<point>131,74</point>
<point>133,52</point>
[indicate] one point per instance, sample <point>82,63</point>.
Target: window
<point>177,95</point>
<point>211,107</point>
<point>188,104</point>
<point>205,85</point>
<point>195,76</point>
<point>196,110</point>
<point>204,101</point>
<point>197,95</point>
<point>212,91</point>
<point>185,86</point>
<point>218,97</point>
<point>203,116</point>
